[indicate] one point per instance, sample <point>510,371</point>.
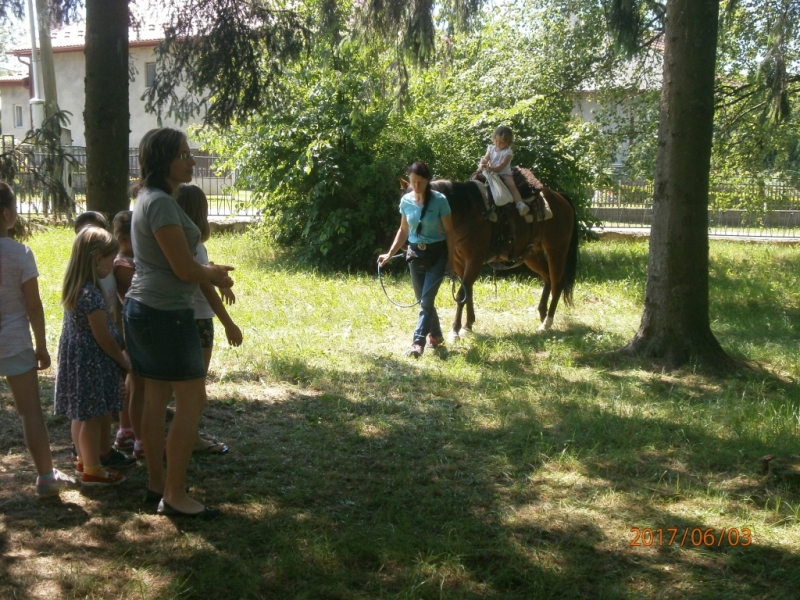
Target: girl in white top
<point>207,303</point>
<point>20,310</point>
<point>498,160</point>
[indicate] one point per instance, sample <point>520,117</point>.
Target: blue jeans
<point>426,284</point>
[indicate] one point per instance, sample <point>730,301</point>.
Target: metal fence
<point>744,208</point>
<point>223,199</point>
<point>735,209</point>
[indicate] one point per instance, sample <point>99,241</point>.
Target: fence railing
<point>735,209</point>
<point>223,199</point>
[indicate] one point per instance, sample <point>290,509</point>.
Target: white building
<point>70,69</point>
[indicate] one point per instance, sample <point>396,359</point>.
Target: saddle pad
<point>527,183</point>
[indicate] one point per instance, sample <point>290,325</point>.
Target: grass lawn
<point>514,465</point>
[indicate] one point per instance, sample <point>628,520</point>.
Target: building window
<point>149,74</point>
<point>18,124</point>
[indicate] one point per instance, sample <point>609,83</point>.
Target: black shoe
<point>117,460</point>
<point>206,514</point>
<point>151,497</point>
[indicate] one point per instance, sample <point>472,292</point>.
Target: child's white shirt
<point>497,156</point>
<point>202,309</point>
<point>17,265</point>
<point>108,286</point>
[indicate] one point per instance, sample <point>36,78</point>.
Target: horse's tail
<point>571,268</point>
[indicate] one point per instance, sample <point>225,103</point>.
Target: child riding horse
<point>547,247</point>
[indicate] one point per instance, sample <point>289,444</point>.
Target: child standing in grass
<point>90,356</point>
<point>207,303</point>
<point>109,457</point>
<point>124,268</point>
<point>20,311</point>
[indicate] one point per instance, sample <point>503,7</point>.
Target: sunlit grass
<point>514,465</point>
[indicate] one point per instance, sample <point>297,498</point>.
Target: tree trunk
<point>675,326</point>
<point>106,113</point>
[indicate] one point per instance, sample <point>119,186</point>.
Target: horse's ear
<point>403,184</point>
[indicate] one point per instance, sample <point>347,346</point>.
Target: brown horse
<point>549,248</point>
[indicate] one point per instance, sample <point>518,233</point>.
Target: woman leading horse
<point>547,247</point>
<point>425,222</point>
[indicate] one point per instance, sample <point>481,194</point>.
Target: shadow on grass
<point>402,481</point>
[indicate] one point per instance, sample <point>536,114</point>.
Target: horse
<point>547,247</point>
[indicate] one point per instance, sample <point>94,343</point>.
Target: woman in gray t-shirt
<point>160,331</point>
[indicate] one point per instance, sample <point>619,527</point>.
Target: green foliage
<point>227,59</point>
<point>9,34</point>
<point>61,11</point>
<point>11,9</point>
<point>633,23</point>
<point>325,163</point>
<point>758,57</point>
<point>229,52</point>
<point>759,64</point>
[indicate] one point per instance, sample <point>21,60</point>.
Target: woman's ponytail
<point>420,169</point>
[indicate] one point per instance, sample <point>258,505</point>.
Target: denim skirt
<point>163,344</point>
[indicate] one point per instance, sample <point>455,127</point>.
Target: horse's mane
<point>463,196</point>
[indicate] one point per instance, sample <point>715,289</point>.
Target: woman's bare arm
<point>173,244</point>
<point>98,322</point>
<point>399,239</point>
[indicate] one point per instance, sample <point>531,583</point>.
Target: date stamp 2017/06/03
<point>691,536</point>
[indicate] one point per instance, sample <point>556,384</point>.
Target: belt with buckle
<point>422,246</point>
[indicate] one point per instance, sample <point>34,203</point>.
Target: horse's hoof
<point>452,337</point>
<point>546,324</point>
<point>465,333</point>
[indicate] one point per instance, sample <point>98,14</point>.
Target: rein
<point>453,278</point>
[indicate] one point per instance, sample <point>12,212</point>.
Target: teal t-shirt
<point>432,229</point>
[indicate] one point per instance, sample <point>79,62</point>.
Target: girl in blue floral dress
<point>91,362</point>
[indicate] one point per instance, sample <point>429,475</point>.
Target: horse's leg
<point>556,259</point>
<point>537,262</point>
<point>456,327</point>
<point>472,269</point>
<point>543,301</point>
<point>470,313</point>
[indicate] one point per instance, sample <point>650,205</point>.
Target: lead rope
<point>453,278</point>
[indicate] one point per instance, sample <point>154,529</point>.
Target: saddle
<point>508,224</point>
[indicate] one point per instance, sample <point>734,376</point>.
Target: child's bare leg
<point>92,432</point>
<point>207,442</point>
<point>25,390</point>
<point>124,414</point>
<point>207,357</point>
<point>75,432</point>
<point>108,434</point>
<point>135,404</point>
<point>508,179</point>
